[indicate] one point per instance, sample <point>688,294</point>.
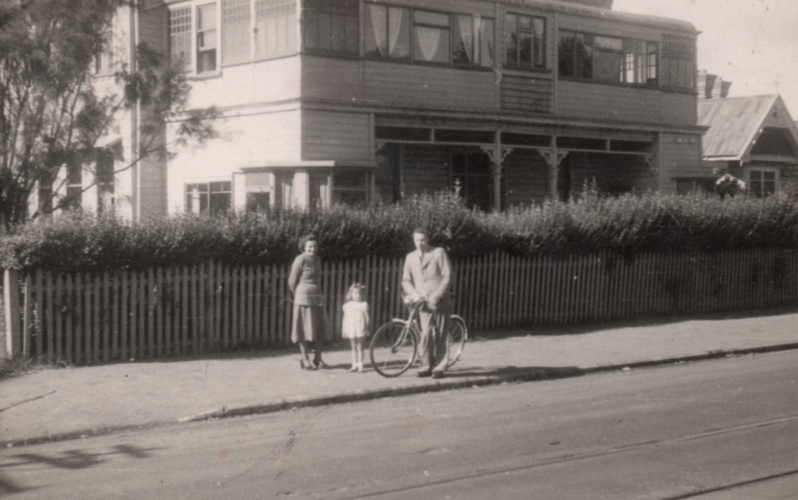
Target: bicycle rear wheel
<point>458,333</point>
<point>393,349</point>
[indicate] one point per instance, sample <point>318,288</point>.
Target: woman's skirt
<point>309,324</point>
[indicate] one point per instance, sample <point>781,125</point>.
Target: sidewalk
<point>77,402</point>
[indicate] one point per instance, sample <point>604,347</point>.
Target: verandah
<point>166,312</point>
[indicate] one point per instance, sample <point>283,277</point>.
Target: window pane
<point>540,43</point>
<point>219,203</point>
<point>431,44</point>
<point>311,30</point>
<point>511,40</point>
<point>584,55</point>
<point>652,71</point>
<point>485,46</point>
<point>376,25</point>
<point>258,201</point>
<point>463,49</point>
<point>603,42</point>
<point>206,38</point>
<point>236,25</point>
<point>525,49</point>
<point>609,66</point>
<point>180,36</point>
<point>399,32</point>
<point>338,33</point>
<point>567,54</point>
<point>275,26</point>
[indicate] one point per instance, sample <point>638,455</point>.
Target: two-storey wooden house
<point>511,101</point>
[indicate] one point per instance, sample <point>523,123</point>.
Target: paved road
<point>724,428</point>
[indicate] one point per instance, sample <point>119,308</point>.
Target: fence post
<point>12,313</point>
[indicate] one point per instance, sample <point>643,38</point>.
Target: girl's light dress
<point>356,320</point>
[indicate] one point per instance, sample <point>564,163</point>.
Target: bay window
<point>525,41</point>
<point>331,25</point>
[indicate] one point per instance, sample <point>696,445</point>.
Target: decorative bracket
<point>551,159</point>
<point>652,164</point>
<point>491,152</point>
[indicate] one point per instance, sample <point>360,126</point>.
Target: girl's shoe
<point>354,368</point>
<point>360,368</point>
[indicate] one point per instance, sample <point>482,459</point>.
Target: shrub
<point>588,224</point>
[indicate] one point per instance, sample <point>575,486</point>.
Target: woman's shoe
<point>354,368</point>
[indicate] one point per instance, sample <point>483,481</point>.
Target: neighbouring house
<point>324,101</point>
<point>753,138</point>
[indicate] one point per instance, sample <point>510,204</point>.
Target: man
<point>426,276</point>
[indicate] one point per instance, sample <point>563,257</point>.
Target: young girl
<point>356,324</point>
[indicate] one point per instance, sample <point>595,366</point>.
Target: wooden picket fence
<point>164,312</point>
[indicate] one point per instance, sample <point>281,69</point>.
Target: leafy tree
<point>52,112</point>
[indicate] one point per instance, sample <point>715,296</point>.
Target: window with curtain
<point>236,29</point>
<point>206,38</point>
<point>275,27</point>
<point>634,60</point>
<point>525,41</point>
<point>387,31</point>
<point>678,65</point>
<point>431,37</point>
<point>609,58</point>
<point>180,36</point>
<point>331,25</point>
<point>472,41</point>
<point>576,55</point>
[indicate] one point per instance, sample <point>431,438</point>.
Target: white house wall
<point>255,139</point>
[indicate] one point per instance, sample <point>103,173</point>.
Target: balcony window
<point>275,27</point>
<point>473,41</point>
<point>387,31</point>
<point>331,26</point>
<point>678,62</point>
<point>431,37</point>
<point>525,42</point>
<point>236,28</point>
<point>576,55</point>
<point>609,59</point>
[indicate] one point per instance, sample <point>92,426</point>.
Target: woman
<point>309,323</point>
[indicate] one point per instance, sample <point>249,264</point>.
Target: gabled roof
<point>734,123</point>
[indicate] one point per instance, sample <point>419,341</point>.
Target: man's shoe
<point>437,374</point>
<point>425,373</point>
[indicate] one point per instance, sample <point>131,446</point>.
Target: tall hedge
<point>627,225</point>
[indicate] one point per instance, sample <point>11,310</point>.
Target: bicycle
<point>395,345</point>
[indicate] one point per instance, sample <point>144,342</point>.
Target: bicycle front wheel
<point>393,349</point>
<point>458,333</point>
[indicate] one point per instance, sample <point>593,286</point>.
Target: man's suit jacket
<point>428,275</point>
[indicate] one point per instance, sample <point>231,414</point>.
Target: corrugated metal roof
<point>733,123</point>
